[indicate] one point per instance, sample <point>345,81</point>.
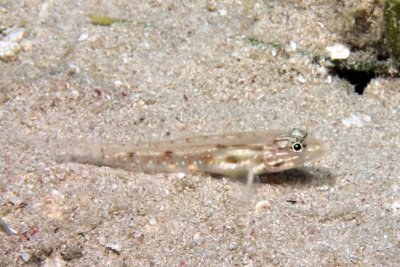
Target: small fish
<point>236,155</point>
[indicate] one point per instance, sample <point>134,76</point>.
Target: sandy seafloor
<point>184,68</point>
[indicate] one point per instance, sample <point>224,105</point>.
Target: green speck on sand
<point>104,20</point>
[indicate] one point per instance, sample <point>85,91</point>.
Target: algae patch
<point>104,20</point>
<point>391,14</point>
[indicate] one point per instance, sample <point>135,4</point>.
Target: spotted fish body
<point>234,155</point>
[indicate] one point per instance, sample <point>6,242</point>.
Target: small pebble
<point>9,50</point>
<point>115,247</point>
<point>233,246</point>
<point>9,46</point>
<point>292,47</point>
<point>6,229</point>
<point>15,35</point>
<point>262,205</point>
<point>396,207</point>
<point>71,253</point>
<point>153,222</point>
<point>301,79</point>
<point>73,69</point>
<point>211,6</point>
<point>25,256</point>
<point>117,83</point>
<point>247,261</point>
<point>197,239</point>
<point>337,52</point>
<point>180,175</point>
<point>75,94</point>
<point>83,37</point>
<point>16,201</point>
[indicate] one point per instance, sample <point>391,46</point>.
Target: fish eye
<point>297,147</point>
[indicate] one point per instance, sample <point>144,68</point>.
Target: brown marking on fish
<point>131,155</point>
<point>232,159</point>
<point>280,148</point>
<point>257,148</point>
<point>207,159</point>
<point>239,146</point>
<point>168,154</point>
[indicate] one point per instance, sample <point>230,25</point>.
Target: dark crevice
<point>361,67</point>
<point>360,79</point>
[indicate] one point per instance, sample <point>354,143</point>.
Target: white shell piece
<point>337,51</point>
